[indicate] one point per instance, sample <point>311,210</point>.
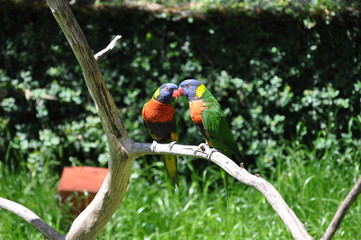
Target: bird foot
<point>171,145</point>
<point>201,147</point>
<point>153,146</point>
<point>209,155</point>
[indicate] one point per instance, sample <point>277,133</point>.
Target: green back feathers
<point>216,124</point>
<point>207,114</point>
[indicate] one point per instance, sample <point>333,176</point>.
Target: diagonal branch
<point>289,218</point>
<point>31,218</point>
<point>341,211</point>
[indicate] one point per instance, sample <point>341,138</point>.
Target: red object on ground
<point>75,182</point>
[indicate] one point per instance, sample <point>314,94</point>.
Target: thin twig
<point>289,218</point>
<point>341,211</point>
<point>101,54</point>
<point>31,218</point>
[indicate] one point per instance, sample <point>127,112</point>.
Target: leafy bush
<point>277,76</point>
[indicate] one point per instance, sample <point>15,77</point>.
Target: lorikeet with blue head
<point>208,116</point>
<point>158,116</point>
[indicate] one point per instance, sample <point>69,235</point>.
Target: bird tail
<point>170,162</point>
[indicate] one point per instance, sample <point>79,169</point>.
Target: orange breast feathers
<point>155,111</point>
<point>196,108</point>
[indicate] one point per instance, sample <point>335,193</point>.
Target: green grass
<point>36,193</point>
<point>312,181</point>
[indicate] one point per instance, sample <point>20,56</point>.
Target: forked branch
<point>92,220</point>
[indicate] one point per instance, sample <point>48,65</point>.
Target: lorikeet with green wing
<point>207,114</point>
<point>158,116</point>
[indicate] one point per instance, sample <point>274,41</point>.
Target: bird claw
<point>209,155</point>
<point>201,147</point>
<point>171,145</point>
<point>153,146</point>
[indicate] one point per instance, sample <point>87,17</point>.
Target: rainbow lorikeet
<point>158,116</point>
<point>207,114</point>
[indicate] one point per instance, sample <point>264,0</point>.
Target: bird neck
<point>196,107</point>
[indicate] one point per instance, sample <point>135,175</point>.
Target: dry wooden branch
<point>31,218</point>
<point>290,219</point>
<point>101,54</point>
<point>92,220</point>
<point>341,211</point>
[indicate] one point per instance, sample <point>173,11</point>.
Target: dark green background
<point>278,76</point>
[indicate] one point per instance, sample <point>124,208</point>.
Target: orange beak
<point>177,93</point>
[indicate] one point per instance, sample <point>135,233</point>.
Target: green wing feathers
<point>170,163</point>
<point>218,130</point>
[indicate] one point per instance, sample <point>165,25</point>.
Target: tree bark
<point>92,220</point>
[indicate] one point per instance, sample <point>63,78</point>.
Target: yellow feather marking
<point>200,90</point>
<point>170,163</point>
<point>156,93</point>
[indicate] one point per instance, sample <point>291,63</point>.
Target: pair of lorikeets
<point>205,111</point>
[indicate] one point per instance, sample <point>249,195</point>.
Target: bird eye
<point>187,85</point>
<point>167,88</point>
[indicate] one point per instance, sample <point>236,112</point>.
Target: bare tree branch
<point>31,218</point>
<point>289,218</point>
<point>341,211</point>
<point>92,220</point>
<point>101,54</point>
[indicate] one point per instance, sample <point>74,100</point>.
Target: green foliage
<point>274,75</point>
